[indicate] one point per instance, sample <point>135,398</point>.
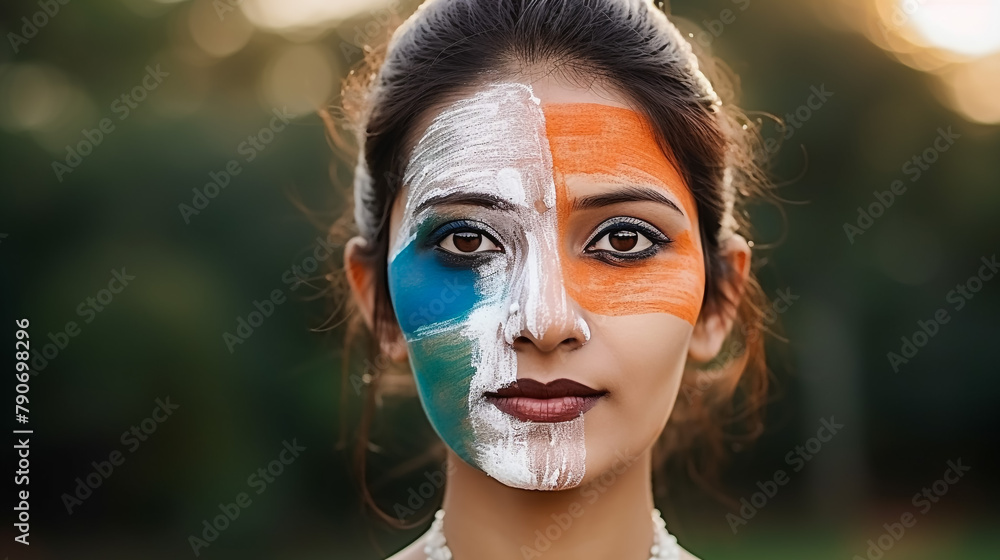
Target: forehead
<point>509,140</point>
<point>493,142</point>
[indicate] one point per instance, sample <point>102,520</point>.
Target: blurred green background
<point>182,88</point>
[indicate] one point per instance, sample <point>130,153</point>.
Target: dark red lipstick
<point>556,401</point>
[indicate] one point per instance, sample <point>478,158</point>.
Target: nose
<point>542,315</point>
<point>570,331</point>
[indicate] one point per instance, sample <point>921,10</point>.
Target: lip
<point>557,401</point>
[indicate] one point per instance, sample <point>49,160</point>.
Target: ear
<point>712,329</point>
<point>360,277</point>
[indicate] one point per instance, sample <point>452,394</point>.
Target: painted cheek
<point>427,295</point>
<point>593,139</point>
<point>432,303</point>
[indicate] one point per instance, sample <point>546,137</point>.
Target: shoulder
<point>415,551</point>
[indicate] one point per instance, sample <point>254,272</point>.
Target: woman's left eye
<point>622,241</point>
<point>626,237</point>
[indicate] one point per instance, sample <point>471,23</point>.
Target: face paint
<point>507,162</point>
<point>491,145</point>
<point>617,146</point>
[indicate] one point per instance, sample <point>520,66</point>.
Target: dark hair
<point>449,47</point>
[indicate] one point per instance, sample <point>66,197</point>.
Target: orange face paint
<point>607,142</point>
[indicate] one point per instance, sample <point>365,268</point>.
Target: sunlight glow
<point>967,27</point>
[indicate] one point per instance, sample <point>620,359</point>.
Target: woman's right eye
<point>467,243</point>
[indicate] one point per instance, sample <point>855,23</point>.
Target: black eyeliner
<point>657,239</point>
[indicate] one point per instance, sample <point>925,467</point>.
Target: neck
<point>607,518</point>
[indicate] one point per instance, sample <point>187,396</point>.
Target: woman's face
<point>546,271</point>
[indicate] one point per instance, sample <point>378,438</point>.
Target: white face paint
<point>493,144</point>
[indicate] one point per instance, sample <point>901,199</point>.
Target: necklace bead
<point>664,544</point>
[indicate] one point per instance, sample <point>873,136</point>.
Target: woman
<point>547,205</point>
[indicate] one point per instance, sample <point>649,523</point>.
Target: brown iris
<point>623,240</point>
<point>467,241</point>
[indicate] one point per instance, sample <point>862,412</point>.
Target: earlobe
<point>359,275</point>
<point>711,330</point>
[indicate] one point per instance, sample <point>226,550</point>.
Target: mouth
<point>557,401</point>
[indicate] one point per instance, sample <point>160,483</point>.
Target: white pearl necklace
<point>664,544</point>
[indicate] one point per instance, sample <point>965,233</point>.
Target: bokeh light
<point>956,42</point>
<point>974,89</point>
<point>968,27</point>
<point>42,100</point>
<point>303,15</point>
<point>299,78</point>
<point>218,36</point>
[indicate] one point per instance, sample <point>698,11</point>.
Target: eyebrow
<point>627,194</point>
<point>469,199</point>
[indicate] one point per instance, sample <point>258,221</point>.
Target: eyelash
<point>624,223</point>
<point>460,226</point>
<point>621,223</point>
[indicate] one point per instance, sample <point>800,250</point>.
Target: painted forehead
<point>613,143</point>
<point>460,151</point>
<point>492,144</point>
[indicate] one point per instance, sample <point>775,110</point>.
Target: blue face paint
<point>433,299</point>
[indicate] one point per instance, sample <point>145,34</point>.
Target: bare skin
<point>488,520</point>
